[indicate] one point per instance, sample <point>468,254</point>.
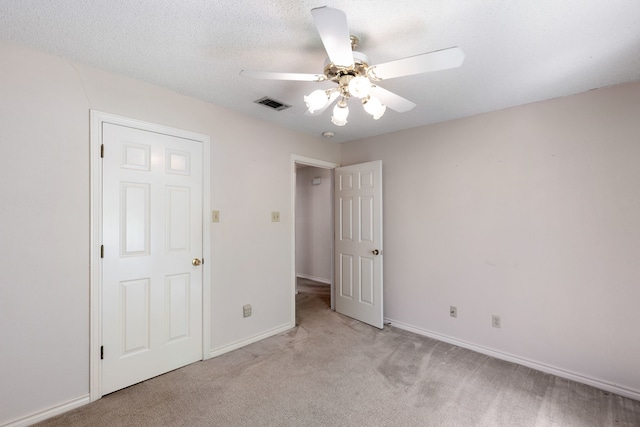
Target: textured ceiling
<point>517,51</point>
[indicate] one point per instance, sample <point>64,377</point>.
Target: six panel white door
<point>358,243</point>
<point>152,230</point>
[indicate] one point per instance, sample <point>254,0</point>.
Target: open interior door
<point>358,242</point>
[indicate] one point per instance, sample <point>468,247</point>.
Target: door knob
<point>196,261</point>
<point>375,252</point>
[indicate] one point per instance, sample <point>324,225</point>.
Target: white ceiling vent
<point>272,103</point>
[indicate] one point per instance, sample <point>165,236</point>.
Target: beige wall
<point>531,213</point>
<point>44,252</point>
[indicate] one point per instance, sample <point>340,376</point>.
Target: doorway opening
<point>313,230</point>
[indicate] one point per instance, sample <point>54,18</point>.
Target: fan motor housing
<point>359,68</point>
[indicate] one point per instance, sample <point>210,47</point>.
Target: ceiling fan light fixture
<point>340,113</point>
<point>316,100</point>
<point>373,106</point>
<point>353,72</point>
<point>359,86</point>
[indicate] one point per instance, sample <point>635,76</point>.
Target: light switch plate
<point>215,216</point>
<point>275,216</point>
<point>453,311</point>
<point>495,321</point>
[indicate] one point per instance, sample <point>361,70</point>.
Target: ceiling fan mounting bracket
<point>355,41</point>
<point>371,74</point>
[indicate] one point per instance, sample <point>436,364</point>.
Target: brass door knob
<point>375,252</point>
<point>196,261</point>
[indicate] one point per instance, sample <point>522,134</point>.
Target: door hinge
<point>101,251</point>
<point>101,352</point>
<point>102,150</point>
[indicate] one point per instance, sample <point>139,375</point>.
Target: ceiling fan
<point>354,74</point>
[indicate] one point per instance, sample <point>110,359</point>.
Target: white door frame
<point>302,160</point>
<point>95,309</point>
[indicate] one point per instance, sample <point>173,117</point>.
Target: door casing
<point>95,332</point>
<point>302,160</point>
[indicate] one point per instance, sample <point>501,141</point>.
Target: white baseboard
<point>81,401</point>
<point>227,348</point>
<point>603,385</point>
<point>316,279</point>
<point>48,413</point>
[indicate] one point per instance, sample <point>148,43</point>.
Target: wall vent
<point>272,103</point>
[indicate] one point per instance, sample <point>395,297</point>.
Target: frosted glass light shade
<point>373,106</point>
<point>359,87</point>
<point>338,122</point>
<point>340,113</point>
<point>316,100</point>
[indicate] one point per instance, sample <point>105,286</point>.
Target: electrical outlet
<point>215,216</point>
<point>246,310</point>
<point>495,321</point>
<point>275,216</point>
<point>453,311</point>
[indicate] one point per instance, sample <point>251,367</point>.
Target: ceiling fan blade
<point>391,100</point>
<point>334,32</point>
<point>332,97</point>
<point>269,75</point>
<point>432,61</point>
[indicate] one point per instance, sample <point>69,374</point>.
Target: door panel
<point>177,213</point>
<point>178,310</point>
<point>134,315</point>
<point>152,230</point>
<point>134,216</point>
<point>345,270</point>
<point>358,244</point>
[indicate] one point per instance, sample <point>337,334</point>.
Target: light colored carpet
<point>335,371</point>
<point>309,286</point>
